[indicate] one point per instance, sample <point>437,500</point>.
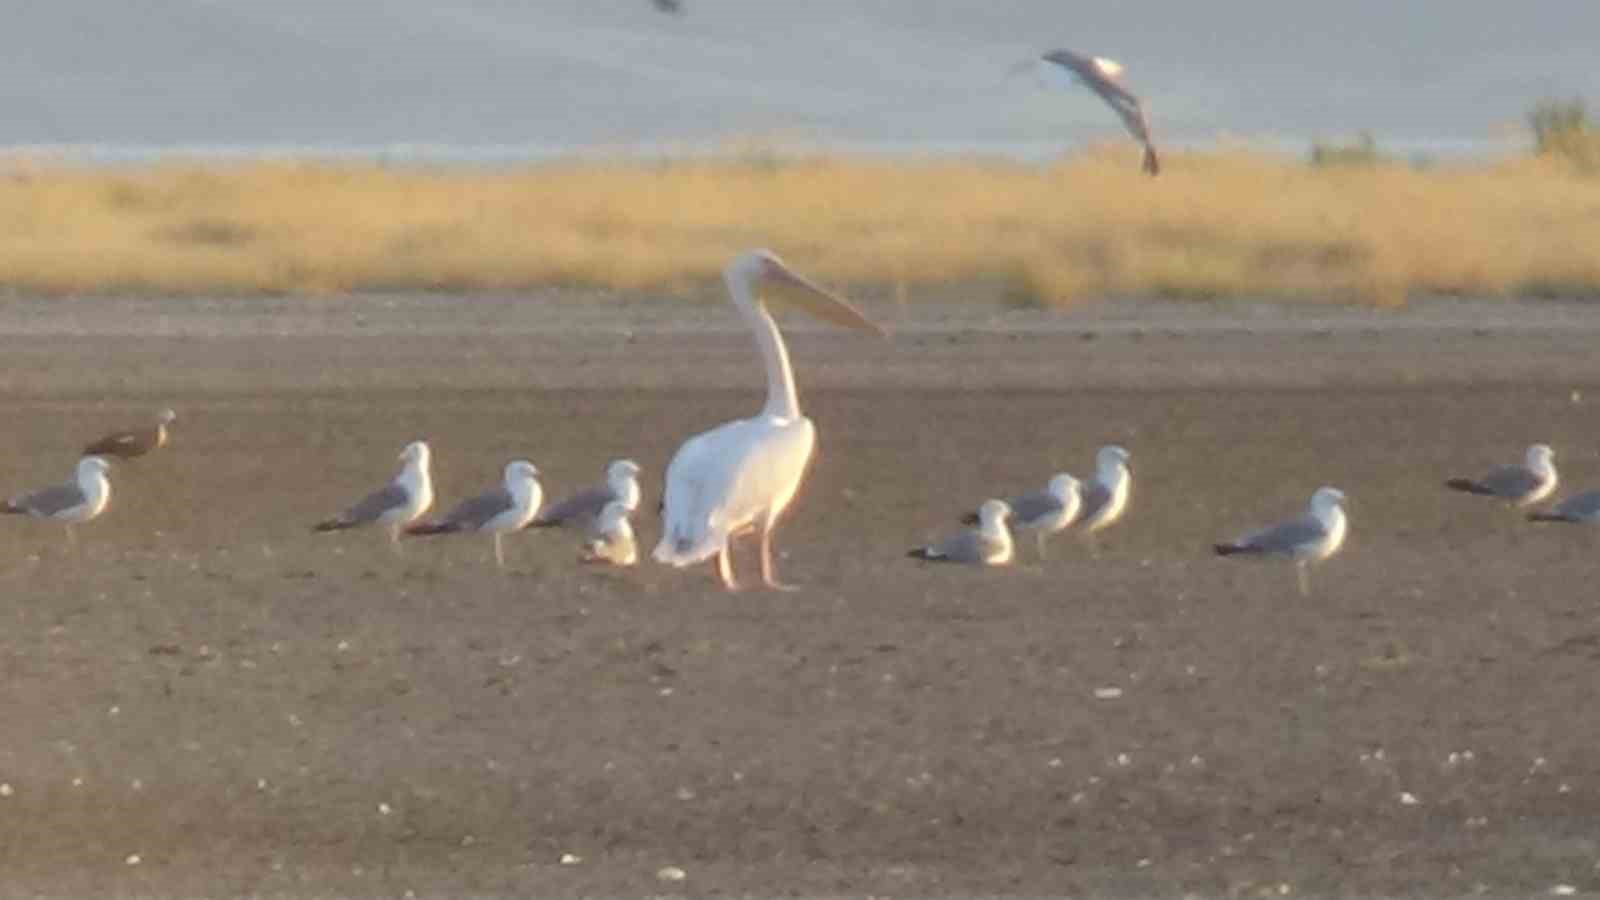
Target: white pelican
<point>134,441</point>
<point>1518,485</point>
<point>584,508</point>
<point>1106,495</point>
<point>396,504</point>
<point>501,509</point>
<point>989,544</point>
<point>1104,77</point>
<point>611,539</point>
<point>79,500</point>
<point>1309,539</point>
<point>1044,512</point>
<point>1579,509</point>
<point>740,476</point>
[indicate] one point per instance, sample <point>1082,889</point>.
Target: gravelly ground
<point>246,707</point>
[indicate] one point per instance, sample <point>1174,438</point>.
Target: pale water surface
<point>492,81</point>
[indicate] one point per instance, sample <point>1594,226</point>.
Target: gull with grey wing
<point>1516,485</point>
<point>989,544</point>
<point>583,509</point>
<point>396,504</point>
<point>505,508</point>
<point>1104,77</point>
<point>1044,512</point>
<point>611,539</point>
<point>83,498</point>
<point>1311,538</point>
<point>1579,509</point>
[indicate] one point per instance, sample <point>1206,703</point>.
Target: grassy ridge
<point>1213,225</point>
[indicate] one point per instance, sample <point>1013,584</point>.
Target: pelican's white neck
<point>783,401</point>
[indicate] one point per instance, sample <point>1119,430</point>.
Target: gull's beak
<point>812,298</point>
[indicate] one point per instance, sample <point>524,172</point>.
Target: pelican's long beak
<point>829,307</point>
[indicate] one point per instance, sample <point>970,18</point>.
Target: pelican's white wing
<point>724,480</point>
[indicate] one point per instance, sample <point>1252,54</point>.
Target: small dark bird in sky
<point>674,7</point>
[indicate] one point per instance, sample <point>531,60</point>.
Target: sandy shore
<point>209,699</point>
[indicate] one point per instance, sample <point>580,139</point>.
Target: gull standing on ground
<point>134,441</point>
<point>1579,509</point>
<point>1104,77</point>
<point>504,508</point>
<point>583,509</point>
<point>1309,539</point>
<point>1046,511</point>
<point>740,476</point>
<point>79,500</point>
<point>611,540</point>
<point>1517,485</point>
<point>989,544</point>
<point>1106,495</point>
<point>396,504</point>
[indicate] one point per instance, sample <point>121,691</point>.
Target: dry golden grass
<point>1225,224</point>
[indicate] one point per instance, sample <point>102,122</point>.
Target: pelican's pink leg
<point>725,569</point>
<point>767,574</point>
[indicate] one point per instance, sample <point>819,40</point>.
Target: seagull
<point>1311,538</point>
<point>396,504</point>
<point>1581,508</point>
<point>1106,495</point>
<point>989,544</point>
<point>668,6</point>
<point>1517,485</point>
<point>611,540</point>
<point>740,476</point>
<point>1104,77</point>
<point>1046,511</point>
<point>79,500</point>
<point>584,508</point>
<point>501,509</point>
<point>134,441</point>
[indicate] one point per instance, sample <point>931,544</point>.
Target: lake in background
<point>505,82</point>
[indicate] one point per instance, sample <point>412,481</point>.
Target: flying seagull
<point>1518,485</point>
<point>503,508</point>
<point>583,508</point>
<point>1044,512</point>
<point>989,544</point>
<point>396,504</point>
<point>1311,538</point>
<point>1104,77</point>
<point>134,441</point>
<point>79,500</point>
<point>1581,508</point>
<point>611,540</point>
